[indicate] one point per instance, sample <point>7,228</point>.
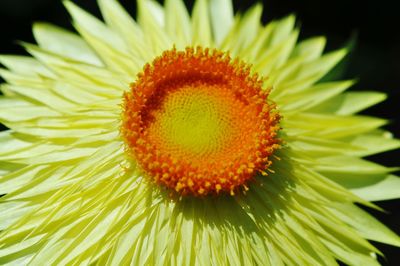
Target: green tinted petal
<point>329,126</point>
<point>350,102</point>
<point>299,75</point>
<point>373,143</point>
<point>282,29</point>
<point>178,23</point>
<point>126,27</point>
<point>245,30</point>
<point>60,41</point>
<point>201,25</point>
<point>221,17</point>
<point>386,188</point>
<point>108,45</point>
<point>310,49</point>
<point>275,57</point>
<point>366,225</point>
<point>313,95</point>
<point>24,65</point>
<point>153,31</point>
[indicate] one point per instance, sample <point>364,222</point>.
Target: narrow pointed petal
<point>221,18</point>
<point>201,25</point>
<point>60,41</point>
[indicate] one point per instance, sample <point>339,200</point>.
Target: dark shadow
<point>245,213</point>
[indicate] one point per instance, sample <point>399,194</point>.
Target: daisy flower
<point>186,139</point>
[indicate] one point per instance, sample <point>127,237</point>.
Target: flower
<point>115,132</point>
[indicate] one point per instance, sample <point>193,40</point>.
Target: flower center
<point>193,121</point>
<point>199,123</point>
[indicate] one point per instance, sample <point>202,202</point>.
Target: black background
<point>375,60</point>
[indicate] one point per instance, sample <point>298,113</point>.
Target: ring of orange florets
<point>182,175</point>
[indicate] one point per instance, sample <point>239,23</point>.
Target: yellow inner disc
<point>194,121</point>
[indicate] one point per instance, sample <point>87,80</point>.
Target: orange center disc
<point>199,123</point>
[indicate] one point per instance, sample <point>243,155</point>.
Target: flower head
<point>186,139</point>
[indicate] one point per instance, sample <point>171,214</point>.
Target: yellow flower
<point>207,139</point>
